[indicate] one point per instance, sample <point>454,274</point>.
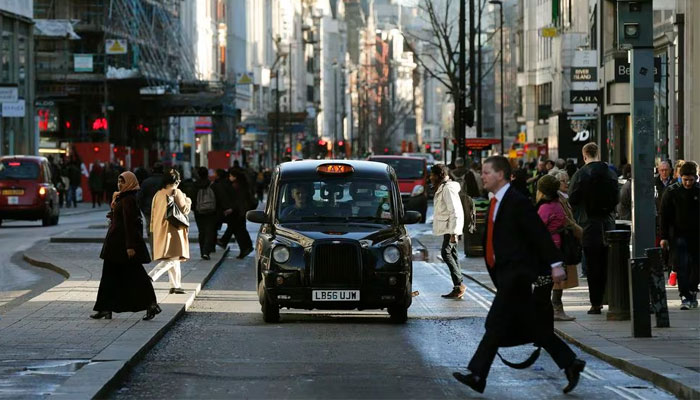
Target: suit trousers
<point>206,224</point>
<point>560,352</point>
<point>596,272</point>
<point>235,225</point>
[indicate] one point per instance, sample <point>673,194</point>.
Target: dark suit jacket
<point>524,250</point>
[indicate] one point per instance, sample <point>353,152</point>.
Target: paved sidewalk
<point>49,345</point>
<point>670,359</point>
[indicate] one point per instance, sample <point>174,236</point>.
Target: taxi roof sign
<point>334,169</point>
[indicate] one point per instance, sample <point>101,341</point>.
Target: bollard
<point>657,287</point>
<point>639,297</point>
<point>617,286</point>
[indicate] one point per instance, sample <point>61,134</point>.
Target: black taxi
<point>332,236</point>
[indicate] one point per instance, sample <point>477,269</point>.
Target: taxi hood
<point>306,233</point>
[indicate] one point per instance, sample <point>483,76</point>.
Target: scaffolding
<point>162,52</point>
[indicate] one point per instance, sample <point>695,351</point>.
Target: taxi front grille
<point>337,264</point>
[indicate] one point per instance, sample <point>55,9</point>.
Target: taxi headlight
<point>280,254</point>
<point>418,190</point>
<point>391,254</point>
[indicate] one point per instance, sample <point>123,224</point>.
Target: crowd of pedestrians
<point>163,200</point>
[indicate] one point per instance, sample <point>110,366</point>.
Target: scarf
<point>130,183</point>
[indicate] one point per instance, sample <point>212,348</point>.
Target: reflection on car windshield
<point>343,200</point>
<point>405,168</point>
<point>11,169</point>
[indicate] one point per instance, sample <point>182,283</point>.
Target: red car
<point>412,174</point>
<point>26,191</point>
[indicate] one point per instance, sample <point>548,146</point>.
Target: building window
<point>310,93</point>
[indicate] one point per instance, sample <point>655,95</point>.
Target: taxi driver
<point>301,194</point>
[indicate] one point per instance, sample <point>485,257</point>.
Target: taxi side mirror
<point>257,216</point>
<point>411,217</point>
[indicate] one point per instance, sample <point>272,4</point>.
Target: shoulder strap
<point>525,364</point>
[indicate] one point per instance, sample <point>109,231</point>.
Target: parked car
<point>332,236</point>
<point>26,191</point>
<point>412,173</point>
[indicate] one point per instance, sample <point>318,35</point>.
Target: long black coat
<point>524,250</point>
<point>125,286</point>
<point>125,232</point>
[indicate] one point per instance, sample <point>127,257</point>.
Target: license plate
<point>13,192</point>
<point>335,295</point>
<point>12,200</point>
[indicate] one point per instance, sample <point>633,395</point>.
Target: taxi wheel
<point>398,314</point>
<point>46,220</point>
<point>270,311</point>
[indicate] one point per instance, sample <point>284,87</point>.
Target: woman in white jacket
<point>448,222</point>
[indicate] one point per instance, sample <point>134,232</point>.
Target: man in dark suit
<point>519,252</point>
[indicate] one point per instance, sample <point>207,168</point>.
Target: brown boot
<point>560,315</point>
<point>456,293</point>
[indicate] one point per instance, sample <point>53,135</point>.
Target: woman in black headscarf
<point>125,286</point>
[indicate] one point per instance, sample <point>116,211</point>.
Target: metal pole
<point>459,107</point>
<point>479,102</point>
<point>335,110</point>
<point>503,143</point>
<point>277,117</point>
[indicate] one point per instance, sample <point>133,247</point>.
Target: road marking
<point>595,375</point>
<point>628,390</point>
<point>444,274</point>
<point>587,375</point>
<point>620,393</point>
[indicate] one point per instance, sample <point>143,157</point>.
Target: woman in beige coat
<point>170,243</point>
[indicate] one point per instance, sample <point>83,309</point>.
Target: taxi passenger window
<point>346,200</point>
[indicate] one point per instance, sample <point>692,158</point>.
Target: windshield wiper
<point>373,219</point>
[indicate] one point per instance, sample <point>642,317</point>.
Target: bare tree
<point>392,115</point>
<point>438,52</point>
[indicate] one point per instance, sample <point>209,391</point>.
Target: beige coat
<point>169,242</point>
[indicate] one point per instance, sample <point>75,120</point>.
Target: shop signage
<point>8,93</point>
<point>82,62</point>
<point>584,74</point>
<point>584,96</point>
<point>115,46</point>
<point>622,70</point>
<point>13,109</point>
<point>549,32</point>
<point>480,143</point>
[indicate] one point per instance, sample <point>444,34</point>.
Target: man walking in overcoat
<point>519,253</point>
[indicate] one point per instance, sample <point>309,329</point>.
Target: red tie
<point>490,258</point>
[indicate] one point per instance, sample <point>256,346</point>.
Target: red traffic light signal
<point>427,146</point>
<point>96,149</point>
<point>386,150</point>
<point>288,150</point>
<point>321,142</point>
<point>341,143</point>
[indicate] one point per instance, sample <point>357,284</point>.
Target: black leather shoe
<point>206,257</point>
<point>152,312</point>
<point>473,381</point>
<point>244,253</point>
<point>102,314</point>
<point>573,373</point>
<point>595,310</point>
<point>177,291</point>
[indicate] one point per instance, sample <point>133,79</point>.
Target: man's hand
<point>453,238</point>
<point>558,274</point>
<point>664,244</point>
<point>130,252</point>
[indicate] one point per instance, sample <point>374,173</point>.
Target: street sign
<point>82,62</point>
<point>480,143</point>
<point>244,78</point>
<point>549,32</point>
<point>584,74</point>
<point>14,109</point>
<point>8,93</point>
<point>115,46</point>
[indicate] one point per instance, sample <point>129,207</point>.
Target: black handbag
<point>571,248</point>
<point>175,216</point>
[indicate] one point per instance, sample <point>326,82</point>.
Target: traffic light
<point>386,150</point>
<point>321,149</point>
<point>340,148</point>
<point>427,147</point>
<point>288,150</point>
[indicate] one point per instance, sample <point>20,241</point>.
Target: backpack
<point>206,201</point>
<point>603,194</point>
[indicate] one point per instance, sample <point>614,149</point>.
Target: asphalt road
<point>221,348</point>
<point>20,281</point>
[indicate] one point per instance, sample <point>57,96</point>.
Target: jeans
<point>72,196</point>
<point>685,261</point>
<point>449,256</point>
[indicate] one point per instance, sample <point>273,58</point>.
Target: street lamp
<point>499,3</point>
<point>335,108</point>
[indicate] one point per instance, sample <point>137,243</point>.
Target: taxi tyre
<point>270,310</point>
<point>398,314</point>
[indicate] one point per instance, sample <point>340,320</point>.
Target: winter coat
<point>624,207</point>
<point>169,242</point>
<point>594,226</point>
<point>125,232</point>
<point>96,179</point>
<point>448,215</point>
<point>554,218</point>
<point>149,188</point>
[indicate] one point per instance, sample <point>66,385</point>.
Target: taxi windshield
<point>343,200</point>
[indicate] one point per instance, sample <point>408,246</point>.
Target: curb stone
<point>106,368</point>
